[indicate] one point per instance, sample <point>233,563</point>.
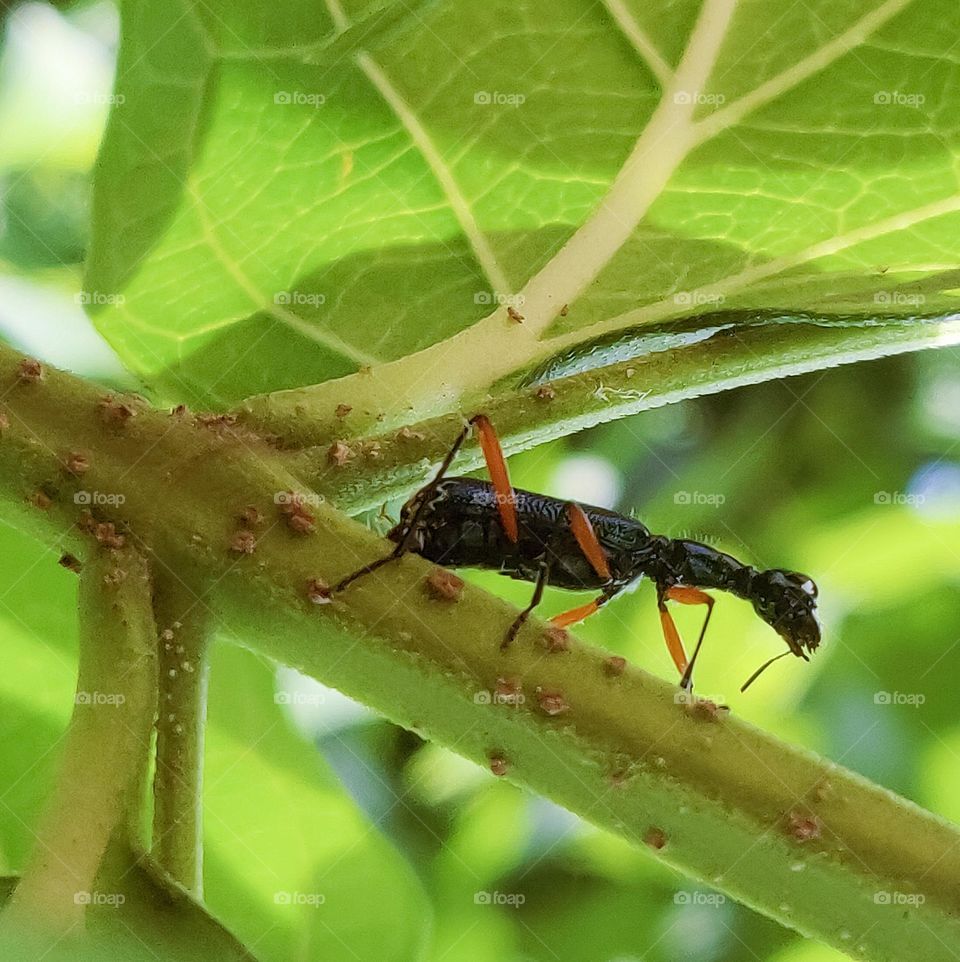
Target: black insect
<point>469,523</point>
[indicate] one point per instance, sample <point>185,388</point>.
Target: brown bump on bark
<point>318,592</point>
<point>555,639</point>
<point>243,541</point>
<point>614,666</point>
<point>552,702</point>
<point>30,370</point>
<point>444,585</point>
<point>803,827</point>
<point>498,764</point>
<point>70,562</point>
<point>339,453</point>
<point>655,838</point>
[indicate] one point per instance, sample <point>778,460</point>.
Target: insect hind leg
<point>497,468</point>
<point>518,622</point>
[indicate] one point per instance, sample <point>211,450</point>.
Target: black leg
<point>404,546</point>
<point>686,682</point>
<point>366,569</point>
<point>519,621</point>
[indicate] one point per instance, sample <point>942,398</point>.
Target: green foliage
<point>283,199</point>
<point>288,195</point>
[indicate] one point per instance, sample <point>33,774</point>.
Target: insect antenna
<point>762,669</point>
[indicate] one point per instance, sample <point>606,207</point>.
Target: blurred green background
<point>851,475</point>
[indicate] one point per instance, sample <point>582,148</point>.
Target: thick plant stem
<point>104,748</point>
<point>669,360</point>
<point>183,622</point>
<point>612,379</point>
<point>802,840</point>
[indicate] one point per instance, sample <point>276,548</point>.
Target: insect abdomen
<point>460,527</point>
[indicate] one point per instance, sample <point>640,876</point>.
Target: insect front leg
<point>412,526</point>
<point>542,575</point>
<point>497,468</point>
<point>686,596</point>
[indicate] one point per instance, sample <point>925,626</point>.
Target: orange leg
<point>578,614</point>
<point>686,596</point>
<point>496,465</point>
<point>587,540</point>
<point>497,469</point>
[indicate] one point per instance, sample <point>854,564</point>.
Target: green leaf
<point>139,914</point>
<point>292,866</point>
<point>38,640</point>
<point>282,200</point>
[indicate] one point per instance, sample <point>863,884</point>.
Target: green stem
<point>671,360</point>
<point>800,839</point>
<point>105,745</point>
<point>608,379</point>
<point>183,622</point>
